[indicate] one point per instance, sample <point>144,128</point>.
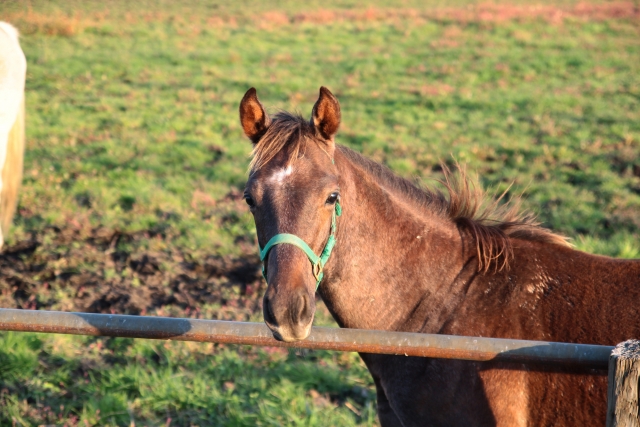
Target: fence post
<point>624,383</point>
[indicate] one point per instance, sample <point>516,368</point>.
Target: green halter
<point>317,262</point>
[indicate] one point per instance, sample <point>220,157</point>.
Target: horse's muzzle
<point>289,315</point>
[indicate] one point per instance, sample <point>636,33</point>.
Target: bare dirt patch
<point>63,269</point>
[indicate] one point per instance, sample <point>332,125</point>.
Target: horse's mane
<point>490,222</point>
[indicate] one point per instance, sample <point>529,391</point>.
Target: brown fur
<point>409,259</point>
<point>326,114</point>
<point>254,120</point>
<point>490,223</point>
<point>12,172</point>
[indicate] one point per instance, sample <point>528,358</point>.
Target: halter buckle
<point>317,270</point>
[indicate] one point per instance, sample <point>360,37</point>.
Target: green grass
<point>88,381</point>
<point>132,126</point>
<point>126,124</point>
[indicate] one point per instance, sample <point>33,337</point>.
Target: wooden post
<point>624,384</point>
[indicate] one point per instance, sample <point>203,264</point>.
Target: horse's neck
<point>395,265</point>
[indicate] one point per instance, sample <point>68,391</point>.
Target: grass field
<point>135,164</point>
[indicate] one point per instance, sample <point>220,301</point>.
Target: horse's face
<point>293,189</point>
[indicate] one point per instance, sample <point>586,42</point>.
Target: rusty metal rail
<point>364,341</point>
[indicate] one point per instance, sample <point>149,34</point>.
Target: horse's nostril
<point>267,312</point>
<point>303,310</point>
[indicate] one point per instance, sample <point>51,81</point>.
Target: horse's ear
<point>253,118</point>
<point>326,115</point>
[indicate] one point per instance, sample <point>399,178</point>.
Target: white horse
<point>13,71</point>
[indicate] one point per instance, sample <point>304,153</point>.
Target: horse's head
<point>293,194</point>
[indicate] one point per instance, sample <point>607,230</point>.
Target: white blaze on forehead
<point>281,174</point>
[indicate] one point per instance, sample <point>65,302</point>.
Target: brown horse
<point>415,260</point>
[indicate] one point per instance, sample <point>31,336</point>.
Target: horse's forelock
<point>286,132</point>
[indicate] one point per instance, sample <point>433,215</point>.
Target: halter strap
<point>317,262</point>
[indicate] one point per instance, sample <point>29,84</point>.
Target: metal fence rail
<point>364,341</point>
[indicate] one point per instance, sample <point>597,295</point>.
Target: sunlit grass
<point>618,246</point>
<point>89,381</point>
<point>125,130</point>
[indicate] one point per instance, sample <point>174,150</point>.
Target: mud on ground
<point>70,270</point>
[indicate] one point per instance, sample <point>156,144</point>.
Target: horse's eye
<point>250,201</point>
<point>333,198</point>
